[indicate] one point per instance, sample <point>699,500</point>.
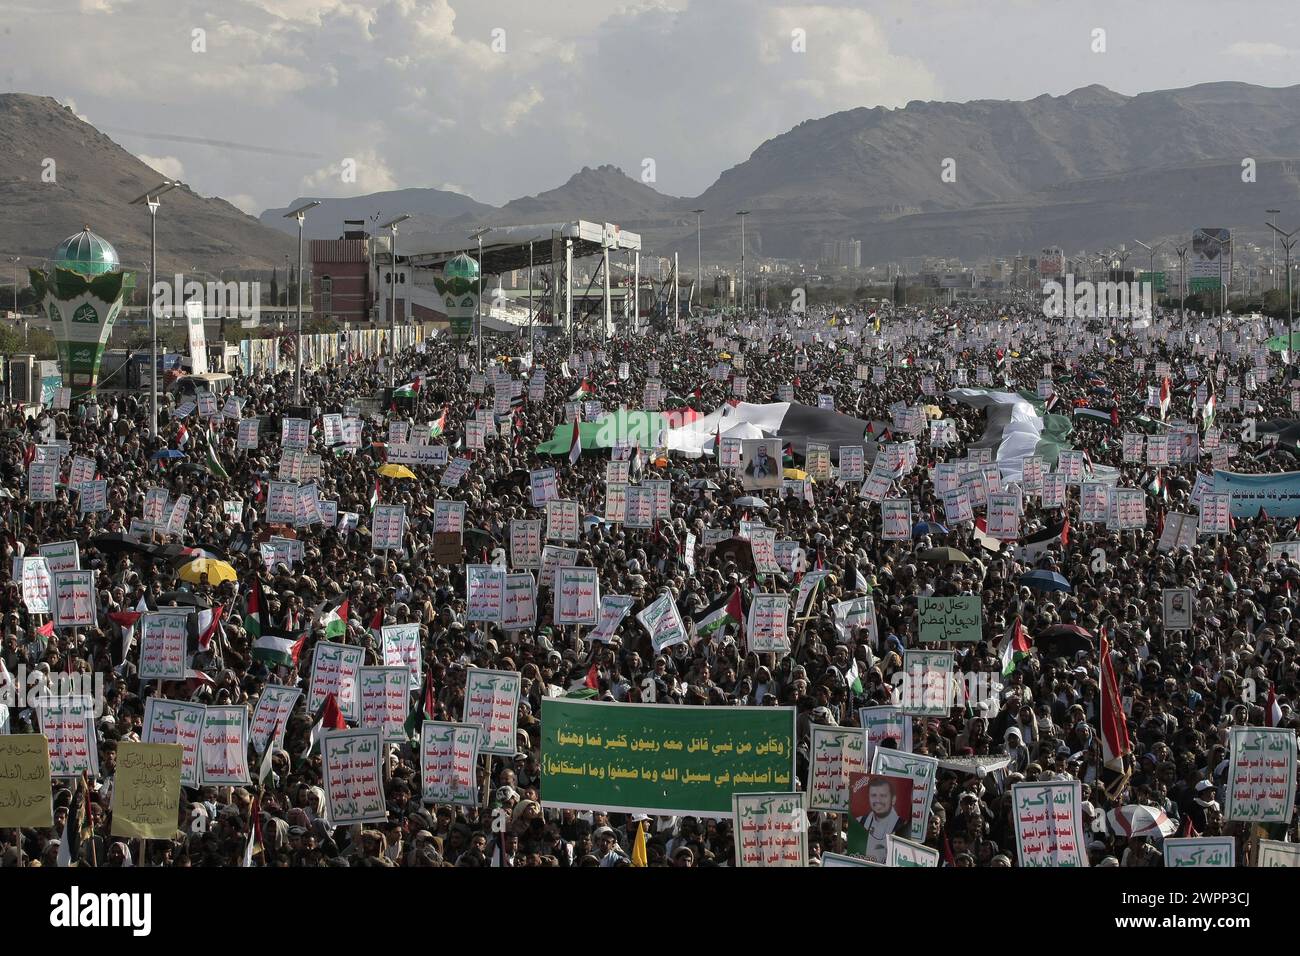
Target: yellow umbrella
<point>795,474</point>
<point>207,569</point>
<point>396,471</point>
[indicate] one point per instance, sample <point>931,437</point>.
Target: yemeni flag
<point>436,428</point>
<point>586,388</point>
<point>1015,647</point>
<point>374,496</point>
<point>331,718</point>
<point>335,620</point>
<point>1115,741</point>
<point>1207,413</point>
<point>377,623</point>
<point>423,712</point>
<point>575,445</point>
<point>182,436</point>
<point>1272,710</point>
<point>212,460</point>
<point>409,390</point>
<point>276,650</point>
<point>206,622</point>
<point>1031,546</point>
<point>255,618</point>
<point>728,609</point>
<point>1166,392</point>
<point>126,620</point>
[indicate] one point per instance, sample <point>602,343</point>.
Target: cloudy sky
<point>503,98</point>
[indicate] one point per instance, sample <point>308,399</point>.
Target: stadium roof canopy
<point>506,247</point>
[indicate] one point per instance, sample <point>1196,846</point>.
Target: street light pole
<point>1182,282</point>
<point>1287,243</point>
<point>743,301</point>
<point>478,235</point>
<point>301,214</point>
<point>699,258</point>
<point>1269,222</point>
<point>151,199</point>
<point>392,299</point>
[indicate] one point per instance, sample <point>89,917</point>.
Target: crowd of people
<point>1182,690</point>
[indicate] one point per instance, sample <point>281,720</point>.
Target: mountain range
<point>1090,168</point>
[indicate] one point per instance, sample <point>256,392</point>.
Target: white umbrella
<point>749,501</point>
<point>1136,820</point>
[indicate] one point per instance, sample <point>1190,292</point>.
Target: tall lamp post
<point>1151,262</point>
<point>478,235</point>
<point>1287,243</point>
<point>301,214</point>
<point>1182,281</point>
<point>699,258</point>
<point>743,302</point>
<point>392,299</point>
<point>1269,222</point>
<point>1223,292</point>
<point>151,200</point>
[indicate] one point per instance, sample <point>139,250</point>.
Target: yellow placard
<point>146,790</point>
<point>25,799</point>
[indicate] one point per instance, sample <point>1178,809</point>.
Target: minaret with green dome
<point>459,288</point>
<point>82,295</point>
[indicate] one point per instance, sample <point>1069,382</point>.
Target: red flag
<point>1115,741</point>
<point>1065,534</point>
<point>575,444</point>
<point>1272,710</point>
<point>1189,829</point>
<point>593,678</point>
<point>331,717</point>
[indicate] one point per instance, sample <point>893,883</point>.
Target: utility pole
<point>300,214</point>
<point>392,300</point>
<point>743,300</point>
<point>151,200</point>
<point>699,258</point>
<point>1287,243</point>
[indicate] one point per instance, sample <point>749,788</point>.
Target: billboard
<point>1209,255</point>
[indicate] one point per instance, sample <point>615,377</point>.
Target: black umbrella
<point>118,541</point>
<point>1063,640</point>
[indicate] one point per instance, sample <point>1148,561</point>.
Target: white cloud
<point>245,203</point>
<point>371,173</point>
<point>1256,50</point>
<point>169,167</point>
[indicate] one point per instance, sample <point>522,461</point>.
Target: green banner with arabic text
<point>659,758</point>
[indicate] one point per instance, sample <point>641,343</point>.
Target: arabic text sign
<point>492,703</point>
<point>835,752</point>
<point>1049,823</point>
<point>448,759</point>
<point>770,829</point>
<point>951,619</point>
<point>1261,779</point>
<point>354,789</point>
<point>662,759</point>
<point>1200,851</point>
<point>25,794</point>
<point>146,790</point>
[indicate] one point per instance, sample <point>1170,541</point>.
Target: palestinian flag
<point>409,390</point>
<point>1031,546</point>
<point>1156,487</point>
<point>277,650</point>
<point>728,609</point>
<point>377,624</point>
<point>1166,393</point>
<point>586,388</point>
<point>1207,413</point>
<point>436,428</point>
<point>575,445</point>
<point>331,718</point>
<point>182,436</point>
<point>212,460</point>
<point>335,620</point>
<point>1015,647</point>
<point>255,618</point>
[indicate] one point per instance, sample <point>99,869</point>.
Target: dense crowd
<point>1181,690</point>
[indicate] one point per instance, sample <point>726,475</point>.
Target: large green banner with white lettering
<point>661,758</point>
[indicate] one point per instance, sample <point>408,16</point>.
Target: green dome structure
<point>82,297</point>
<point>87,253</point>
<point>459,286</point>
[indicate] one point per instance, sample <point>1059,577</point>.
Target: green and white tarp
<point>1016,428</point>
